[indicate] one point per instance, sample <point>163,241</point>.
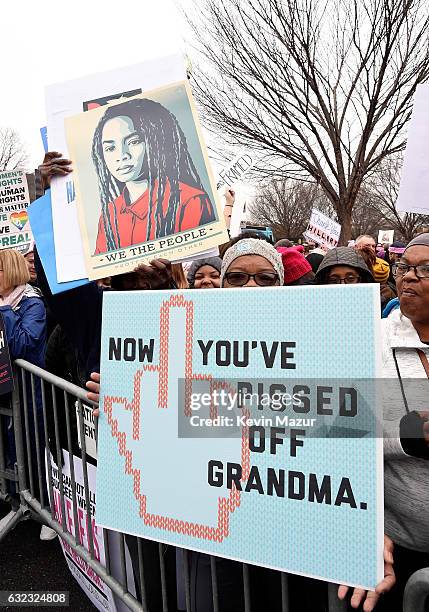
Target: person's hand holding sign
<point>94,390</point>
<point>53,165</point>
<point>370,598</point>
<point>230,199</point>
<point>157,275</point>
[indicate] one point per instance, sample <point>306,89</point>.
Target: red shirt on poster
<point>194,209</point>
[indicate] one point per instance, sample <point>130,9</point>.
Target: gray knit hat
<point>214,262</point>
<point>420,240</point>
<point>343,256</point>
<point>253,246</point>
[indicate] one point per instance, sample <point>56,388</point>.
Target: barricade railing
<point>43,424</point>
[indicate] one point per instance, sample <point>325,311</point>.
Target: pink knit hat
<point>294,263</point>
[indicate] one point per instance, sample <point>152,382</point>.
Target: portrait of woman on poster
<point>149,186</point>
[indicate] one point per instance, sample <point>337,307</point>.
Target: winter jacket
<point>406,478</point>
<point>391,306</point>
<point>26,336</point>
<point>26,328</point>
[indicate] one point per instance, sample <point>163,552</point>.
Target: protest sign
<point>88,429</point>
<point>236,170</point>
<point>15,231</point>
<point>44,137</point>
<point>93,586</point>
<point>415,169</point>
<point>6,372</point>
<point>385,236</point>
<point>191,468</point>
<point>323,230</point>
<point>72,97</point>
<point>238,214</point>
<point>232,174</point>
<point>40,214</point>
<point>173,211</point>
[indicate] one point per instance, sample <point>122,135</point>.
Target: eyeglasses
<point>350,279</point>
<point>400,269</point>
<point>263,279</point>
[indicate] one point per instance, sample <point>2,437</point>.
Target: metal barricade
<point>40,400</point>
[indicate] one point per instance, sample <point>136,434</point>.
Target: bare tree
<point>285,206</point>
<point>322,89</point>
<point>382,190</point>
<point>367,218</point>
<point>12,152</point>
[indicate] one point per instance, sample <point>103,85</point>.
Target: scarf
<point>14,298</point>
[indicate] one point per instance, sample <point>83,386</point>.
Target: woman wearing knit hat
<point>396,251</point>
<point>252,263</point>
<point>205,273</point>
<point>297,269</point>
<point>382,274</point>
<point>381,271</point>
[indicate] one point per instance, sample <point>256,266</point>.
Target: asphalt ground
<point>28,564</point>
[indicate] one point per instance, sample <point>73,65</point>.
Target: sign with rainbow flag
<point>15,231</point>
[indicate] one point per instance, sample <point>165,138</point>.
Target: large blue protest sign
<point>295,486</point>
<point>40,215</point>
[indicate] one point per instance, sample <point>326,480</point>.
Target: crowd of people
<point>62,333</point>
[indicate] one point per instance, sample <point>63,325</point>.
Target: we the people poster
<point>15,231</point>
<point>143,181</point>
<point>291,479</point>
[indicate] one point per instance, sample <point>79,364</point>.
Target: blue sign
<point>40,215</point>
<point>44,135</point>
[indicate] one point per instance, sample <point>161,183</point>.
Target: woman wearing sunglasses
<point>251,263</point>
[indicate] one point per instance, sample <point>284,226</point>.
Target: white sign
<point>385,236</point>
<point>236,170</point>
<point>93,586</point>
<point>15,231</point>
<point>88,428</point>
<point>415,170</point>
<point>67,99</point>
<point>238,214</point>
<point>323,230</point>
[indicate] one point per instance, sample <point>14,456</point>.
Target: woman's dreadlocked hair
<point>166,159</point>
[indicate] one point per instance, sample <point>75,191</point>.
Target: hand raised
<point>53,165</point>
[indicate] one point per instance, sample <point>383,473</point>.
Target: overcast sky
<point>50,42</point>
